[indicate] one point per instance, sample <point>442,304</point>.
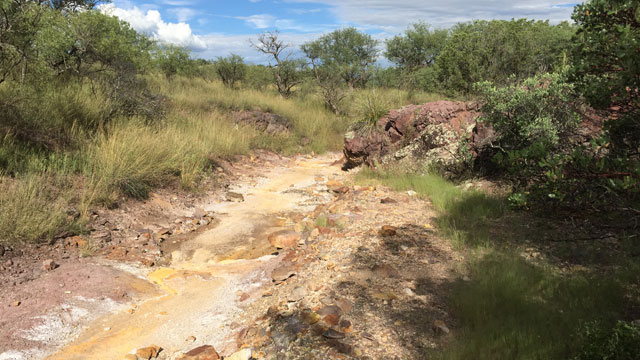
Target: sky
<point>212,28</point>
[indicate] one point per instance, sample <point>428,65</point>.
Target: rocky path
<point>301,264</point>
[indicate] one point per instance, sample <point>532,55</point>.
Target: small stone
<point>346,326</point>
<point>282,274</point>
<point>8,263</point>
<point>284,239</point>
<point>297,294</point>
<point>309,317</point>
<point>191,339</point>
<point>17,303</point>
<point>385,270</point>
<point>148,353</point>
<point>204,352</point>
<point>344,304</point>
<point>332,334</point>
<point>314,233</point>
<point>234,197</point>
<point>244,354</point>
<point>409,292</point>
<point>388,200</point>
<point>49,265</point>
<point>331,319</point>
<point>412,193</point>
<point>440,327</point>
<point>388,230</point>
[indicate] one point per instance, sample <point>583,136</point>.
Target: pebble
<point>244,354</point>
<point>150,352</point>
<point>49,265</point>
<point>297,294</point>
<point>204,352</point>
<point>440,327</point>
<point>332,334</point>
<point>388,230</point>
<point>282,274</point>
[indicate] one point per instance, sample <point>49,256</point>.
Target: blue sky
<point>217,28</point>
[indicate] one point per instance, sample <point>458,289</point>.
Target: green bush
<point>622,342</point>
<point>534,122</point>
<point>231,69</point>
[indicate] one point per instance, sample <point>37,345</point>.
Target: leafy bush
<point>534,122</point>
<point>622,342</point>
<point>231,69</point>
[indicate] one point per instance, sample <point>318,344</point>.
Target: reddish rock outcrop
<point>429,132</point>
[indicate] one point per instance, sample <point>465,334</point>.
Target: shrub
<point>231,69</point>
<point>534,122</point>
<point>620,342</point>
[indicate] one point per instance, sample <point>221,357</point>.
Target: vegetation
<point>231,69</point>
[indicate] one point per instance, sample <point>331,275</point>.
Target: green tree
<point>174,60</point>
<point>417,48</point>
<point>346,52</point>
<point>502,52</point>
<point>606,66</point>
<point>231,69</point>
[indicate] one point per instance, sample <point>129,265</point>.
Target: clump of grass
<point>370,108</point>
<point>464,215</point>
<point>33,208</point>
<point>131,157</point>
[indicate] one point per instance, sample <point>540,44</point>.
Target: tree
<point>417,48</point>
<point>231,69</point>
<point>606,66</point>
<point>174,60</point>
<point>346,52</point>
<point>502,52</point>
<point>285,74</point>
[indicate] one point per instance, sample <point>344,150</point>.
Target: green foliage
<point>606,66</point>
<point>417,48</point>
<point>533,122</point>
<point>501,52</point>
<point>621,342</point>
<point>174,60</point>
<point>345,52</point>
<point>231,69</point>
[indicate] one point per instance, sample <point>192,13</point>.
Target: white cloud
<point>395,15</point>
<point>151,23</point>
<point>183,14</point>
<point>261,21</point>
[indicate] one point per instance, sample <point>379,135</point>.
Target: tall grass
<point>34,207</point>
<point>314,128</point>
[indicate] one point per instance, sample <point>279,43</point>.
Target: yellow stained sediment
<point>190,284</point>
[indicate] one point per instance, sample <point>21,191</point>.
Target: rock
<point>284,239</point>
<point>330,310</point>
<point>439,327</point>
<point>1,250</point>
<point>333,334</point>
<point>331,319</point>
<point>49,265</point>
<point>103,236</point>
<point>244,354</point>
<point>314,233</point>
<point>385,270</point>
<point>17,303</point>
<point>148,353</point>
<point>191,339</point>
<point>204,352</point>
<point>8,263</point>
<point>346,326</point>
<point>297,294</point>
<point>412,193</point>
<point>309,317</point>
<point>263,121</point>
<point>388,230</point>
<point>282,274</point>
<point>234,197</point>
<point>388,200</point>
<point>345,305</point>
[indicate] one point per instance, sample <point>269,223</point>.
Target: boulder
<point>419,135</point>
